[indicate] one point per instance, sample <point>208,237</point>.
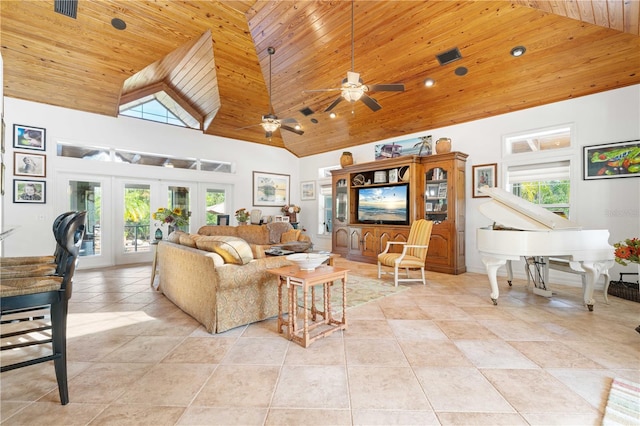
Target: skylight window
<point>153,111</point>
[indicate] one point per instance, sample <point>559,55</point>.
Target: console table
<point>294,278</point>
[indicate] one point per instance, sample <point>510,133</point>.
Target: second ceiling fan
<point>353,88</point>
<point>270,122</point>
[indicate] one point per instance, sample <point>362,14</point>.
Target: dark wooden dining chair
<point>23,299</point>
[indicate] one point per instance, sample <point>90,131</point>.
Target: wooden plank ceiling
<point>574,48</point>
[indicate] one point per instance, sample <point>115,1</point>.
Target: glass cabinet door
<point>436,196</point>
<point>341,200</point>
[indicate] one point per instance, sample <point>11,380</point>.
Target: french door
<point>120,226</point>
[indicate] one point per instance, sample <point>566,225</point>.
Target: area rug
<point>360,290</point>
<point>623,405</point>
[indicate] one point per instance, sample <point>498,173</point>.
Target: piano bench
<point>563,265</point>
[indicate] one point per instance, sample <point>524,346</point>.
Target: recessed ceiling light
<point>314,121</point>
<point>518,51</point>
<point>297,126</point>
<point>332,115</point>
<point>429,82</point>
<point>461,71</point>
<point>118,24</point>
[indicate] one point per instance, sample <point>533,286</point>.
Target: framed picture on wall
<point>222,220</point>
<point>612,160</point>
<point>270,189</point>
<point>27,137</point>
<point>25,164</point>
<point>29,191</point>
<point>484,175</point>
<point>308,190</point>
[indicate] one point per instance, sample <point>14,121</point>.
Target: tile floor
<point>435,354</point>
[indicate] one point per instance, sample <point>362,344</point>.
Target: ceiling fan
<point>270,122</point>
<point>353,88</point>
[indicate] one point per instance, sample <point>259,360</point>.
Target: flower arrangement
<point>628,251</point>
<point>175,217</point>
<point>242,215</point>
<point>291,208</point>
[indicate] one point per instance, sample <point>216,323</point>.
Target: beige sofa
<point>260,237</point>
<point>215,277</point>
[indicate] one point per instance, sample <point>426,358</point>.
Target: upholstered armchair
<point>413,255</point>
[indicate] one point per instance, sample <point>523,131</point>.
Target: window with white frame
<point>538,167</point>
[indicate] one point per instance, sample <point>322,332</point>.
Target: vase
<point>443,145</point>
<point>346,159</point>
<point>242,223</point>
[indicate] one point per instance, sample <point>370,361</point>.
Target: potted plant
<point>242,216</point>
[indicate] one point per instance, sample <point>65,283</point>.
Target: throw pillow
<point>290,235</point>
<point>174,237</point>
<point>231,249</point>
<point>187,240</point>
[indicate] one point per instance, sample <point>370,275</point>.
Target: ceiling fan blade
<point>334,103</point>
<point>353,77</point>
<point>288,120</point>
<point>291,129</point>
<point>370,102</point>
<point>247,127</point>
<point>386,87</point>
<point>323,90</point>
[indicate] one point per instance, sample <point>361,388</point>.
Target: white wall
<point>67,125</point>
<point>612,204</point>
<point>611,116</point>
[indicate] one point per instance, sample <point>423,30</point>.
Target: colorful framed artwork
<point>612,160</point>
<point>270,189</point>
<point>420,146</point>
<point>25,164</point>
<point>484,175</point>
<point>308,190</point>
<point>29,191</point>
<point>27,137</point>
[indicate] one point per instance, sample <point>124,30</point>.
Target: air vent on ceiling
<point>306,111</point>
<point>66,7</point>
<point>449,56</point>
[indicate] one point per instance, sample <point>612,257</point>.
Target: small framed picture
<point>442,190</point>
<point>222,220</point>
<point>428,207</point>
<point>29,191</point>
<point>484,175</point>
<point>27,137</point>
<point>393,176</point>
<point>380,176</point>
<point>308,190</point>
<point>25,164</point>
<point>432,190</point>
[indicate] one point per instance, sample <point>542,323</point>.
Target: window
<point>545,184</point>
<point>153,111</point>
<point>140,158</point>
<point>539,140</point>
<point>538,167</point>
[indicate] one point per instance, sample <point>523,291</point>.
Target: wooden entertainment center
<point>436,191</point>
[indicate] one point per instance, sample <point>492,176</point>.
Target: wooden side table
<point>293,278</point>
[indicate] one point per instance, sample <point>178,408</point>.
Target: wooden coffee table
<point>294,278</point>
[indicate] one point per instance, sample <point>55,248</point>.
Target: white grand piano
<point>523,229</point>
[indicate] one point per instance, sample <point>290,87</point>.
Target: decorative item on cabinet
<point>443,145</point>
<point>346,159</point>
<point>403,173</point>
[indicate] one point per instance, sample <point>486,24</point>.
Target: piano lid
<point>514,212</point>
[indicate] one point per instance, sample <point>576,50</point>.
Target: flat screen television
<point>383,204</point>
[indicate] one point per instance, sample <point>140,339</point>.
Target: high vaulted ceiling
<point>574,48</point>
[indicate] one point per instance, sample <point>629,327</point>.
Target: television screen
<point>384,204</point>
